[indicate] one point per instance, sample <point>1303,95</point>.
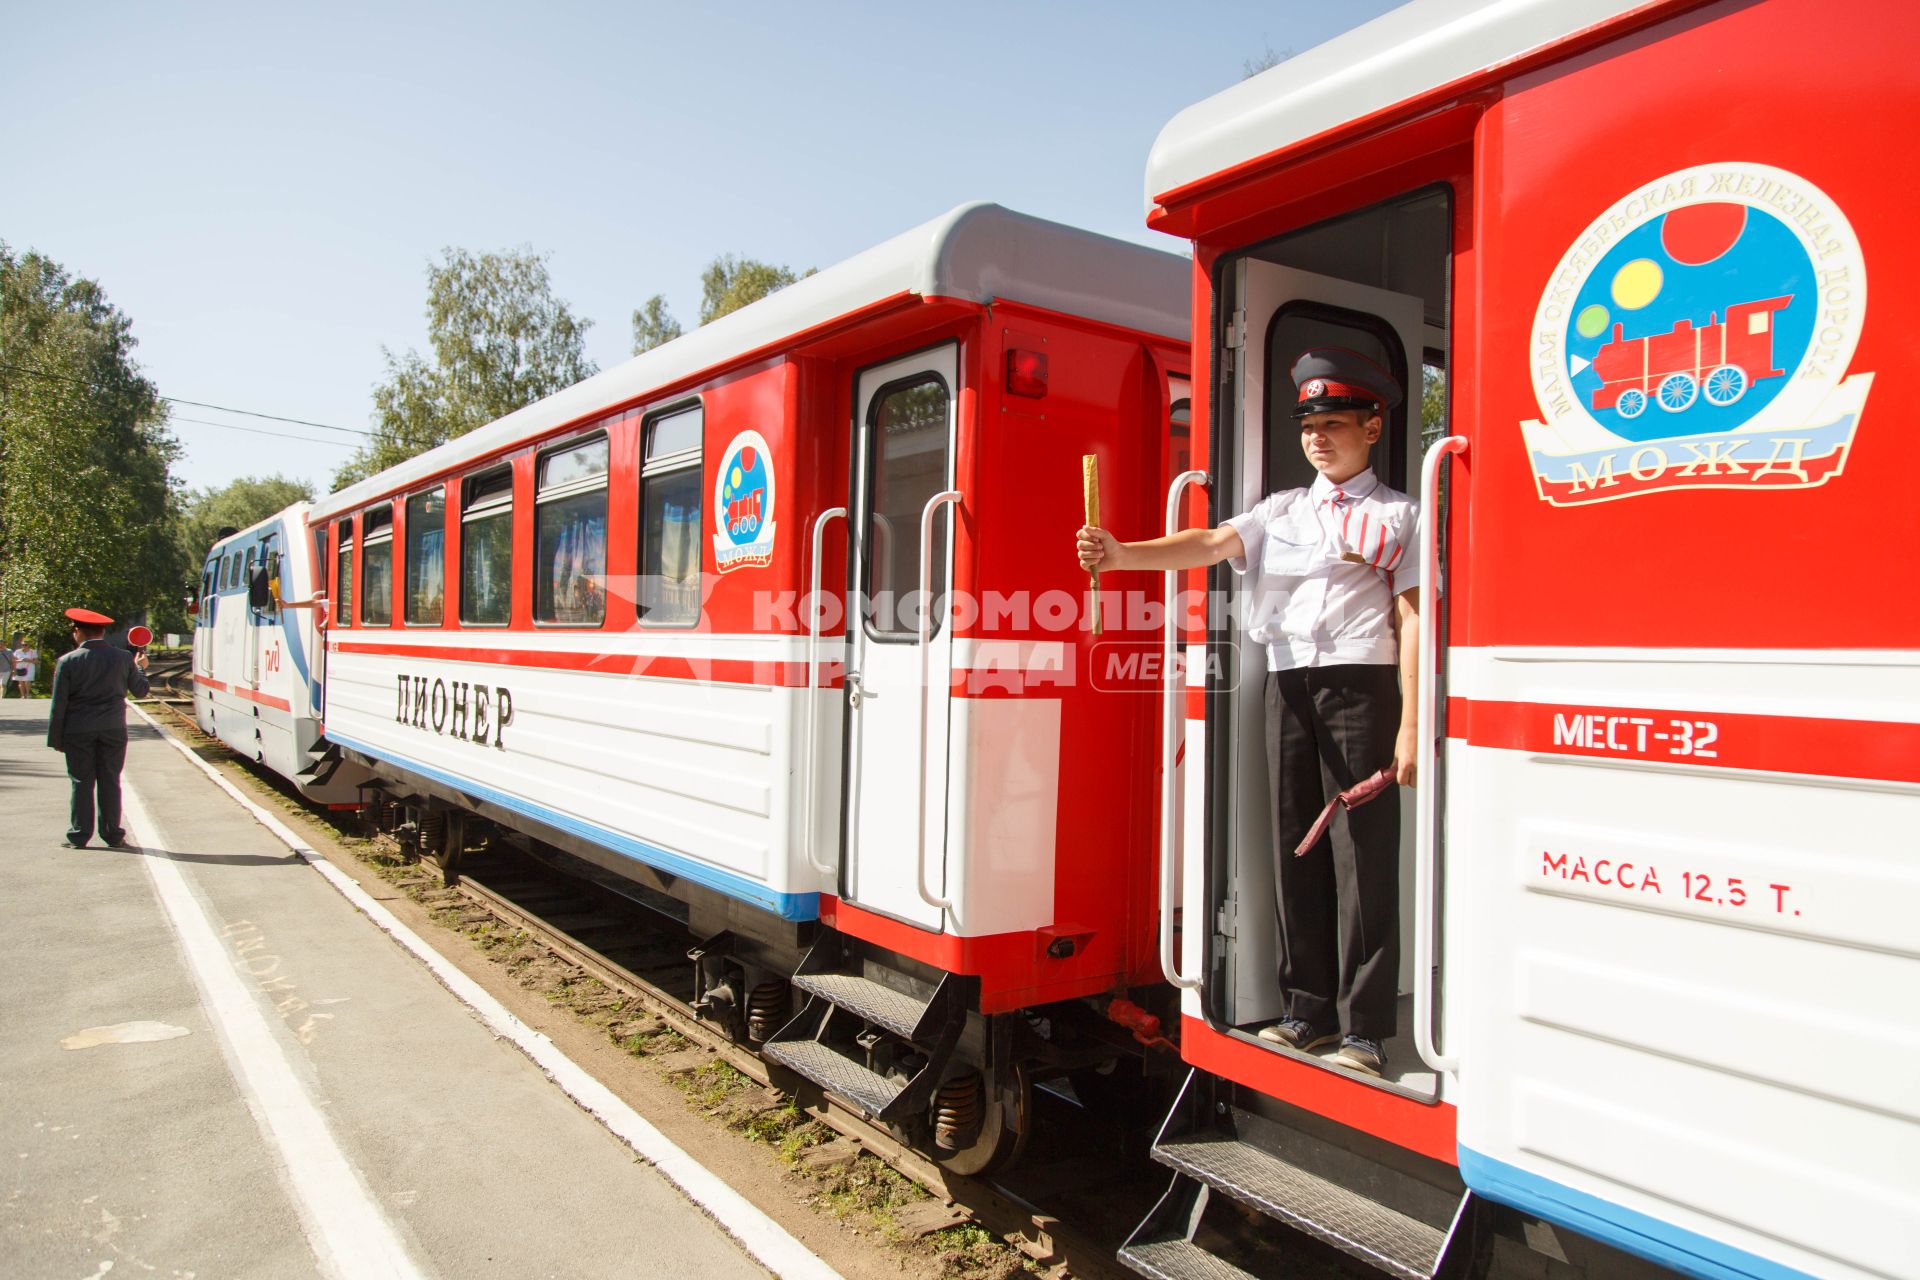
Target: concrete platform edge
<point>762,1237</point>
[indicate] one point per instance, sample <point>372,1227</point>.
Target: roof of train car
<point>1399,56</point>
<point>977,252</point>
<point>296,512</point>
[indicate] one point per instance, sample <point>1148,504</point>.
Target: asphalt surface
<point>211,1064</point>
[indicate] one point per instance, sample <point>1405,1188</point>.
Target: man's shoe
<point>1359,1054</point>
<point>74,844</point>
<point>1297,1034</point>
<point>116,842</point>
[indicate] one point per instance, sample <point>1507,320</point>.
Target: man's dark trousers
<point>94,761</point>
<point>1339,903</point>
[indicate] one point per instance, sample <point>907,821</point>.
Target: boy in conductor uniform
<point>1333,576</point>
<point>88,723</point>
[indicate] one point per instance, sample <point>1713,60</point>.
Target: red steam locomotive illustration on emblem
<point>1720,360</point>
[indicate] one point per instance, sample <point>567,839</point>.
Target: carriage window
<point>486,549</point>
<point>570,536</point>
<point>342,611</point>
<point>909,466</point>
<point>670,489</point>
<point>1298,326</point>
<point>426,557</point>
<point>376,567</point>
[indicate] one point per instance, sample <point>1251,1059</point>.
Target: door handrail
<point>1172,718</point>
<point>1427,797</point>
<point>813,680</point>
<point>938,500</point>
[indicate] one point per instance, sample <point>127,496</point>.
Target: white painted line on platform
<point>766,1240</point>
<point>345,1228</point>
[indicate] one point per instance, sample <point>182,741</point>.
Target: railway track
<point>642,954</point>
<point>1067,1205</point>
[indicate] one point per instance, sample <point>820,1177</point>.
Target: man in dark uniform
<point>89,724</point>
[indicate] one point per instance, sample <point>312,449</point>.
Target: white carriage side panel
<point>1191,785</point>
<point>1688,990</point>
<point>681,774</point>
<point>816,765</point>
<point>1004,769</point>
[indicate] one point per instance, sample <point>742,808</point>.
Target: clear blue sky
<point>261,187</point>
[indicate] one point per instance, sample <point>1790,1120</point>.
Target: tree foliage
<point>653,324</point>
<point>1267,61</point>
<point>87,506</point>
<point>729,283</point>
<point>245,501</point>
<point>500,340</point>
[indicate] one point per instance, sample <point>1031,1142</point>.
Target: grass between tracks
<point>831,1175</point>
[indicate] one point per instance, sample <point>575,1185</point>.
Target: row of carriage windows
<point>569,539</point>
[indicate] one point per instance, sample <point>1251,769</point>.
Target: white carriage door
<point>904,435</point>
<point>1283,311</point>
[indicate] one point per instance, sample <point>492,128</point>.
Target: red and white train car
<point>1662,900</point>
<point>626,621</point>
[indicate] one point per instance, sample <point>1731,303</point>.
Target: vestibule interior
<point>1375,281</point>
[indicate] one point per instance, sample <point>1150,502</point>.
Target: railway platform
<point>213,1064</point>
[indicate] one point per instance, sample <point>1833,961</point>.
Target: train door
<point>1285,300</point>
<point>897,683</point>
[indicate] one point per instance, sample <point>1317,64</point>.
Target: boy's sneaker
<point>1360,1054</point>
<point>1297,1034</point>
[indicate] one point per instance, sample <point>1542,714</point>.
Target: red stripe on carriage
<point>1871,749</point>
<point>250,695</point>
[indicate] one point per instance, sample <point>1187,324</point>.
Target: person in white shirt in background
<point>1334,593</point>
<point>26,665</point>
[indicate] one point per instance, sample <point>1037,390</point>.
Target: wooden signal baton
<point>1090,489</point>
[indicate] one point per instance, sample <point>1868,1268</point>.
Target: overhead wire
<point>198,404</point>
<point>278,435</point>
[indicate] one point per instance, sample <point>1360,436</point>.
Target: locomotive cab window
<point>426,557</point>
<point>1374,286</point>
<point>376,567</point>
<point>570,535</point>
<point>671,483</point>
<point>486,549</point>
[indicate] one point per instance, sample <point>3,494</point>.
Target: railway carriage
<point>673,625</point>
<point>258,660</point>
<point>1659,901</point>
<point>760,625</point>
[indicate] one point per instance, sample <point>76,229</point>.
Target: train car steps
<point>883,1049</point>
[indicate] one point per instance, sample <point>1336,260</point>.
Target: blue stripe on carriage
<point>788,906</point>
<point>1685,1251</point>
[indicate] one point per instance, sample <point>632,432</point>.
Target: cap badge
<point>1314,389</point>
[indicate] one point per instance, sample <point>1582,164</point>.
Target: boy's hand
<point>1097,548</point>
<point>1406,755</point>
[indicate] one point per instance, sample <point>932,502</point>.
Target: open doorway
<point>1375,282</point>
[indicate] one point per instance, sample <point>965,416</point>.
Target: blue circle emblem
<point>743,495</point>
<point>1692,323</point>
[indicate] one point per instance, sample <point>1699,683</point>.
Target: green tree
<point>500,340</point>
<point>87,504</point>
<point>653,324</point>
<point>245,501</point>
<point>730,282</point>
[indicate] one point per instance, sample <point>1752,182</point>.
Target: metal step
<point>867,1000</point>
<point>836,1073</point>
<point>1177,1259</point>
<point>1358,1226</point>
